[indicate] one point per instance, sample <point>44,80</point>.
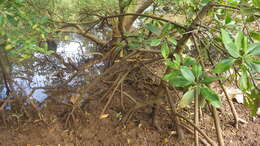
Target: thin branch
<point>148,16</point>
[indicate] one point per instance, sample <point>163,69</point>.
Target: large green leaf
<point>210,79</point>
<point>187,74</point>
<point>165,50</point>
<point>187,98</point>
<point>229,44</point>
<point>211,96</point>
<point>176,79</point>
<point>197,70</point>
<point>153,28</point>
<point>224,65</point>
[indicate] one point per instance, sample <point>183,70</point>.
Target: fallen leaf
<point>104,116</point>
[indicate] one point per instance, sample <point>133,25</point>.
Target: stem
<point>175,118</point>
<point>196,134</point>
<point>217,125</point>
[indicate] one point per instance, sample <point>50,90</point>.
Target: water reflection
<point>36,78</point>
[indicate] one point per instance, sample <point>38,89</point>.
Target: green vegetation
<point>201,42</point>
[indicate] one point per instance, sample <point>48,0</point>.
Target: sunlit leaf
<point>256,3</point>
<point>165,50</point>
<point>244,81</point>
<point>187,74</point>
<point>255,36</point>
<point>228,19</point>
<point>187,98</point>
<point>239,39</point>
<point>229,44</point>
<point>197,70</point>
<point>155,42</point>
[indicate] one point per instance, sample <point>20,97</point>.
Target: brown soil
<point>137,132</point>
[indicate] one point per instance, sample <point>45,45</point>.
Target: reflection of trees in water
<point>57,72</point>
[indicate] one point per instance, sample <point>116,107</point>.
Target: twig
<point>192,132</point>
<point>217,125</point>
<point>111,96</point>
<point>175,118</point>
<point>149,16</point>
<point>196,134</point>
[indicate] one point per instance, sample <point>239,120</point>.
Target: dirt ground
<point>139,131</point>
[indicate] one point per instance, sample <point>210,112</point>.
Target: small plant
<point>189,74</point>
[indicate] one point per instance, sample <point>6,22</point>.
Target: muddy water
<point>37,78</point>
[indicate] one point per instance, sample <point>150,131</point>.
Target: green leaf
<point>249,11</point>
<point>11,20</point>
<point>176,79</point>
<point>170,75</point>
<point>155,42</point>
<point>255,36</point>
<point>244,81</point>
<point>210,79</point>
<point>187,98</point>
<point>166,28</point>
<point>256,3</point>
<point>187,74</point>
<point>189,61</point>
<point>1,19</point>
<point>255,66</point>
<point>228,19</point>
<point>44,20</point>
<point>254,49</point>
<point>153,28</point>
<point>224,65</point>
<point>197,70</point>
<point>132,45</point>
<point>239,40</point>
<point>245,45</point>
<point>229,44</point>
<point>172,40</point>
<point>177,58</point>
<point>172,64</point>
<point>165,50</point>
<point>179,81</point>
<point>211,96</point>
